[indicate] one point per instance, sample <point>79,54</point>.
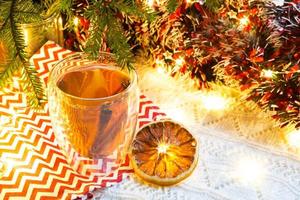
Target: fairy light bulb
<point>179,62</point>
<point>190,2</point>
<point>244,21</point>
<point>76,21</point>
<point>151,3</point>
<point>214,102</point>
<point>293,138</point>
<point>267,73</point>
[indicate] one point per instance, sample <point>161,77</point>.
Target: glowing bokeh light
<point>190,1</point>
<point>293,138</point>
<point>214,102</point>
<point>267,73</point>
<point>244,21</point>
<point>76,21</point>
<point>150,3</point>
<point>179,62</point>
<point>250,170</point>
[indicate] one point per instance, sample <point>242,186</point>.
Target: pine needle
<point>16,12</point>
<point>172,5</point>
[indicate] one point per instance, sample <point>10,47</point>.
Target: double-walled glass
<point>94,133</point>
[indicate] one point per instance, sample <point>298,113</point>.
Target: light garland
<point>244,21</point>
<point>76,21</point>
<point>267,73</point>
<point>189,2</point>
<point>179,62</point>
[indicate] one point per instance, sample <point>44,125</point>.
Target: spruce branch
<point>12,33</point>
<point>172,5</point>
<point>106,31</point>
<point>213,5</point>
<point>7,74</point>
<point>121,48</point>
<point>33,82</point>
<point>99,21</point>
<point>129,8</point>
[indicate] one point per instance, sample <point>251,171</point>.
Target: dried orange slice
<point>164,153</point>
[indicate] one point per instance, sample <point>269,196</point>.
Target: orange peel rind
<point>163,153</point>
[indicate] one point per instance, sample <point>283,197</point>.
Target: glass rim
<point>108,98</point>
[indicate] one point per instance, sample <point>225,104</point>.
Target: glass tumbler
<point>93,131</point>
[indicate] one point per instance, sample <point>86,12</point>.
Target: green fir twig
<point>11,33</point>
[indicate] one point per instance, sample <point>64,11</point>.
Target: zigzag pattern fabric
<point>32,165</point>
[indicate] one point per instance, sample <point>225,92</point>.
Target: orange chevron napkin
<point>31,164</point>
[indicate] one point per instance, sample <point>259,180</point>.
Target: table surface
<point>227,169</point>
<point>232,164</point>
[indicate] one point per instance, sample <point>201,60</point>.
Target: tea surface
<point>93,82</point>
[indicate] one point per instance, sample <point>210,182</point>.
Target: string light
<point>179,62</point>
<point>267,73</point>
<point>293,138</point>
<point>76,21</point>
<point>214,101</point>
<point>250,170</point>
<point>151,3</point>
<point>190,1</point>
<point>244,21</point>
